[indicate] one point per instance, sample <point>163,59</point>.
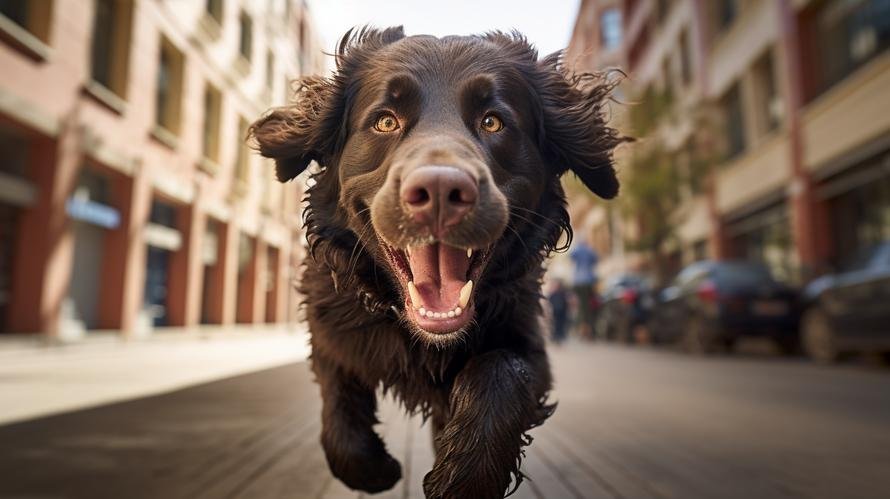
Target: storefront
<point>92,215</point>
<point>163,239</point>
<point>211,275</point>
<point>857,200</point>
<point>763,234</point>
<point>16,194</point>
<point>246,279</point>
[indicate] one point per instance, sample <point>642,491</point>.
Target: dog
<point>435,202</point>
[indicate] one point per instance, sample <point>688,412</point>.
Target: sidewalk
<point>38,380</point>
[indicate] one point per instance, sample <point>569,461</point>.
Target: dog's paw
<point>372,472</point>
<point>465,480</point>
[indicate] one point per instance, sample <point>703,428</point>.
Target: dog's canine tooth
<point>465,294</point>
<point>469,252</point>
<point>414,294</point>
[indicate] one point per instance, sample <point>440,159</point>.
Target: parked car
<point>849,311</point>
<point>625,304</point>
<point>710,304</point>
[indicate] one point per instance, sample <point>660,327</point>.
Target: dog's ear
<point>573,130</point>
<point>295,135</point>
<point>314,127</point>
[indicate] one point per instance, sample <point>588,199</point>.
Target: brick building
<point>784,100</point>
<point>128,198</point>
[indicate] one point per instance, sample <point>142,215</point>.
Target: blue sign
<point>93,212</point>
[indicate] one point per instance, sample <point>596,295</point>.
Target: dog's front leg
<point>495,399</point>
<point>355,453</point>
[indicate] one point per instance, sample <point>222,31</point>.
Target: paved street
<point>632,423</point>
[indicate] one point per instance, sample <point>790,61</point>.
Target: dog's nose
<point>438,196</point>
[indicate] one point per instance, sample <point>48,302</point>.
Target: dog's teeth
<point>451,314</point>
<point>457,311</point>
<point>408,250</point>
<point>414,294</point>
<point>438,315</point>
<point>469,252</point>
<point>465,294</point>
<point>421,311</point>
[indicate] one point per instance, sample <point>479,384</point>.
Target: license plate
<point>770,308</point>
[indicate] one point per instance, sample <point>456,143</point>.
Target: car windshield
<point>743,273</point>
<point>863,258</point>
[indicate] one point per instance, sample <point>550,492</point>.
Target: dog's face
<point>438,147</point>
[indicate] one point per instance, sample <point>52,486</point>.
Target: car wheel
<point>698,339</point>
<point>819,340</point>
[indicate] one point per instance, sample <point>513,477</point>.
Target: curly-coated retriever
<point>437,199</point>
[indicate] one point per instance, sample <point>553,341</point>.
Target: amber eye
<point>491,124</point>
<point>386,123</point>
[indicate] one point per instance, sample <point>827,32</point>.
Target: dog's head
<point>436,150</point>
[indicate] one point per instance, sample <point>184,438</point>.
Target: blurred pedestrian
<point>559,308</point>
<point>584,281</point>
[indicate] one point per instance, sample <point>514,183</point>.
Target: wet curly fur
<point>485,391</point>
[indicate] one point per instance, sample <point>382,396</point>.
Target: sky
<point>547,23</point>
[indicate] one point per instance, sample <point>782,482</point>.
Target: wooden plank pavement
<point>630,424</point>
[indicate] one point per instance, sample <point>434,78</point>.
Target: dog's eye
<point>386,123</point>
<point>491,124</point>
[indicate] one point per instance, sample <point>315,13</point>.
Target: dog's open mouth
<point>438,281</point>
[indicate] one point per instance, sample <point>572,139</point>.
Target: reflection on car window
<point>861,259</point>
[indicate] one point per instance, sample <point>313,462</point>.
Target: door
<point>86,272</point>
<point>156,280</point>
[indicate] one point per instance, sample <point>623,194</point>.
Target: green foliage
<point>650,107</point>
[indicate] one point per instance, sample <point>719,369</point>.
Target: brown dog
<point>437,201</point>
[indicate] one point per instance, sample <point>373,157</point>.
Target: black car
<point>710,304</point>
<point>625,304</point>
<point>849,311</point>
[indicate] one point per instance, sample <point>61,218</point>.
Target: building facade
<point>771,111</point>
<point>129,200</point>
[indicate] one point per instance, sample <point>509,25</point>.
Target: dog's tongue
<point>440,271</point>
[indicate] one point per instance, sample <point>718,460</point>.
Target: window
<point>214,9</point>
<point>245,46</point>
<point>32,16</point>
<point>610,28</point>
<point>286,90</point>
<point>662,7</point>
<point>841,36</point>
<point>734,121</point>
<point>111,43</point>
<point>242,164</point>
<point>212,101</point>
<point>768,110</point>
<point>270,70</point>
<point>169,87</point>
<point>668,75</point>
<point>725,12</point>
<point>685,62</point>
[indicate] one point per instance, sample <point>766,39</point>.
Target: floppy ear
<point>315,125</point>
<point>295,135</point>
<point>574,131</point>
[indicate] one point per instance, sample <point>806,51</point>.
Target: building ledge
<point>105,96</point>
<point>164,136</point>
<point>239,189</point>
<point>209,28</point>
<point>208,165</point>
<point>23,40</point>
<point>17,191</point>
<point>27,114</point>
<point>241,66</point>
